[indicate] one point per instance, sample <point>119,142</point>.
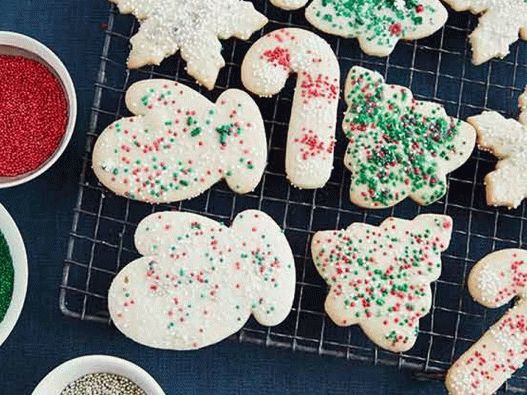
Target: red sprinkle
<point>33,115</point>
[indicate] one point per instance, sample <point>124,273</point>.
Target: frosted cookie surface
<point>178,144</point>
<point>399,147</point>
<point>199,281</point>
<point>379,276</point>
<point>193,27</point>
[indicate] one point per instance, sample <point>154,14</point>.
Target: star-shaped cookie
<point>193,27</point>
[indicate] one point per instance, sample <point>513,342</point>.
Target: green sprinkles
<point>7,277</point>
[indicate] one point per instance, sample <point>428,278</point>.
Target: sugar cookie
<point>192,26</point>
<point>494,282</point>
<point>179,144</point>
<point>199,281</point>
<point>378,25</point>
<point>399,147</point>
<point>498,27</point>
<point>507,140</point>
<point>311,135</point>
<point>379,276</point>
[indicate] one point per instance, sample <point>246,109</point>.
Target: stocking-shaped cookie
<point>179,144</point>
<point>379,276</point>
<point>199,281</point>
<point>311,134</point>
<point>378,25</point>
<point>494,282</point>
<point>399,147</point>
<point>499,26</point>
<point>507,140</point>
<point>192,26</point>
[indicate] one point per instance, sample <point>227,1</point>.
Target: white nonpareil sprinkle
<point>102,384</point>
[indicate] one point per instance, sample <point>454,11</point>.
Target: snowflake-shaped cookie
<point>178,144</point>
<point>198,281</point>
<point>399,147</point>
<point>507,140</point>
<point>379,276</point>
<point>498,27</point>
<point>377,24</point>
<point>192,26</point>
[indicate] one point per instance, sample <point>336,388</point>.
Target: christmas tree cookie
<point>399,147</point>
<point>198,281</point>
<point>495,280</point>
<point>499,25</point>
<point>377,24</point>
<point>178,144</point>
<point>507,140</point>
<point>193,27</point>
<point>379,276</point>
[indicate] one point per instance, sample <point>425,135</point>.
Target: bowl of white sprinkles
<point>98,375</point>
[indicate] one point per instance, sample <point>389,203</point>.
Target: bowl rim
<point>52,61</point>
<point>56,380</point>
<point>18,253</point>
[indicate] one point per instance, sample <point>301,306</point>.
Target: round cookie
<point>493,282</point>
<point>379,276</point>
<point>311,135</point>
<point>198,281</point>
<point>193,27</point>
<point>399,147</point>
<point>178,144</point>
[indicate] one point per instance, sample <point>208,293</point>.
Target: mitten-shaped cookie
<point>494,282</point>
<point>179,144</point>
<point>379,276</point>
<point>199,281</point>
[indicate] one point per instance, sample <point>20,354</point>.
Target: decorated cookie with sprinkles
<point>178,144</point>
<point>311,135</point>
<point>500,24</point>
<point>377,24</point>
<point>193,27</point>
<point>495,280</point>
<point>399,147</point>
<point>507,140</point>
<point>379,276</point>
<point>198,281</point>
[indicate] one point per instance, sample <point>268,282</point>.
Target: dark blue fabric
<point>44,338</point>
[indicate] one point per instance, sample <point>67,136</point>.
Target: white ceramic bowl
<point>68,372</point>
<point>18,253</point>
<point>19,45</point>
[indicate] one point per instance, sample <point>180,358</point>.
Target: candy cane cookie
<point>507,140</point>
<point>178,144</point>
<point>495,280</point>
<point>193,27</point>
<point>311,135</point>
<point>399,147</point>
<point>198,281</point>
<point>377,24</point>
<point>500,23</point>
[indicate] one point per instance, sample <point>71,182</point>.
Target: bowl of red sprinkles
<point>38,108</point>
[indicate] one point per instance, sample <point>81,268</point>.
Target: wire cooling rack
<point>437,68</point>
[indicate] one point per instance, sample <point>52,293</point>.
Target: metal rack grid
<point>437,68</point>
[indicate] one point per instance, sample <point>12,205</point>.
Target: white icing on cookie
<point>192,26</point>
<point>179,144</point>
<point>378,25</point>
<point>199,281</point>
<point>399,147</point>
<point>507,140</point>
<point>379,276</point>
<point>498,27</point>
<point>523,108</point>
<point>495,281</point>
<point>311,135</point>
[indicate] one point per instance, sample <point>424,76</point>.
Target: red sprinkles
<point>33,115</point>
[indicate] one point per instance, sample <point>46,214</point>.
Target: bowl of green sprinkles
<point>98,375</point>
<point>13,274</point>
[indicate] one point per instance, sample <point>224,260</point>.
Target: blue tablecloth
<point>45,338</point>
